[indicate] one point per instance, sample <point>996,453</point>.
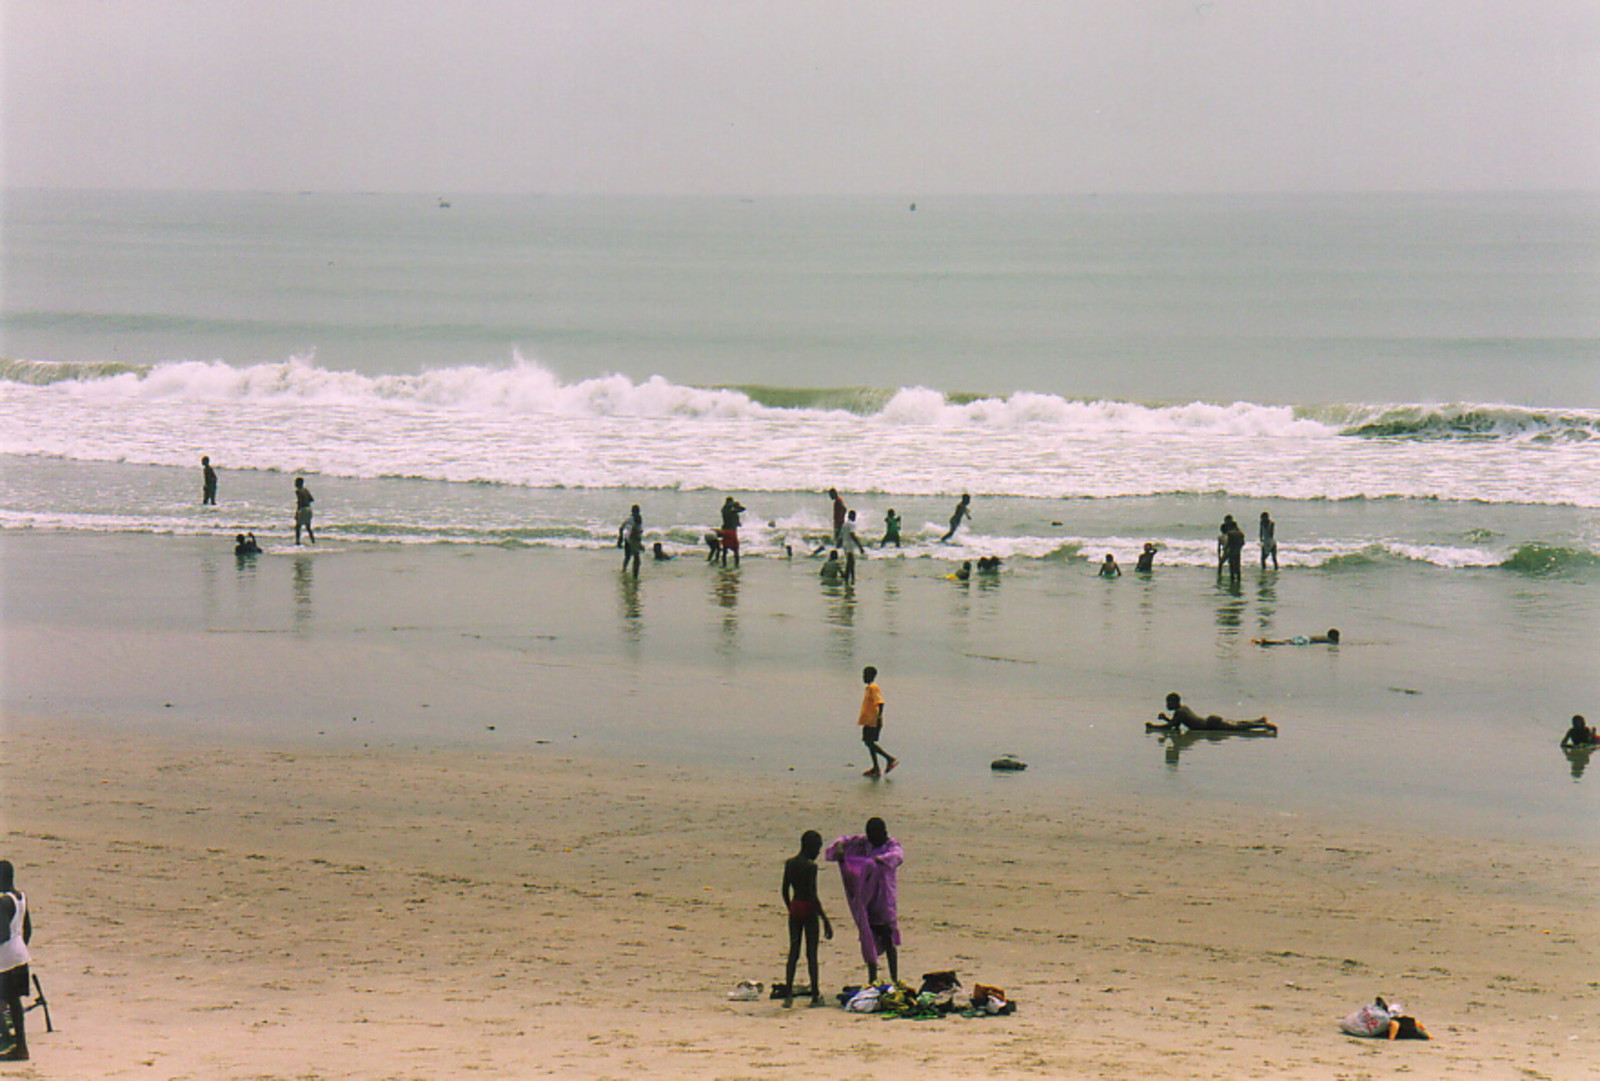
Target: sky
<point>801,96</point>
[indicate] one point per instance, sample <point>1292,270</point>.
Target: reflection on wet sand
<point>842,617</point>
<point>1176,743</point>
<point>891,594</point>
<point>303,610</point>
<point>1266,602</point>
<point>1230,604</point>
<point>725,595</point>
<point>1577,760</point>
<point>631,605</point>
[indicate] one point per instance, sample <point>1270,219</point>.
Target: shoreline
<point>247,912</point>
<point>1418,717</point>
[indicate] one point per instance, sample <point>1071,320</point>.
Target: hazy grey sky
<point>758,96</point>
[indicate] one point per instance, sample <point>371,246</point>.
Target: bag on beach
<point>1372,1020</point>
<point>746,991</point>
<point>864,1001</point>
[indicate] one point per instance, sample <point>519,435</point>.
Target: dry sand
<point>223,913</point>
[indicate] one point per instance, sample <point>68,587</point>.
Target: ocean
<point>534,354</point>
<point>1409,385</point>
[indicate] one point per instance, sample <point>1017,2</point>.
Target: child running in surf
<point>805,912</point>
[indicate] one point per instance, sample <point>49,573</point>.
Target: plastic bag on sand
<point>1370,1020</point>
<point>746,991</point>
<point>864,1001</point>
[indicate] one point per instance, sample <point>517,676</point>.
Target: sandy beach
<point>210,912</point>
<point>415,813</point>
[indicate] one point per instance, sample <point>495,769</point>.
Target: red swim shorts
<point>800,911</point>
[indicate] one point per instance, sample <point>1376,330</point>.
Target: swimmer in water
<point>1184,717</point>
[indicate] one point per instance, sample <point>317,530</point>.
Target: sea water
<point>1409,385</point>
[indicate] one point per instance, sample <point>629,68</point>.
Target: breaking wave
<point>526,388</point>
<point>1469,421</point>
<point>1551,559</point>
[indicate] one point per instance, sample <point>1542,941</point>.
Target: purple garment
<point>870,889</point>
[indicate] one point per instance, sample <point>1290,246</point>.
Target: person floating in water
<point>989,565</point>
<point>244,544</point>
<point>871,722</point>
<point>962,573</point>
<point>891,529</point>
<point>630,538</point>
<point>1580,734</point>
<point>963,513</point>
<point>1109,568</point>
<point>832,569</point>
<point>869,866</point>
<point>1184,717</point>
<point>1267,533</point>
<point>208,482</point>
<point>731,509</point>
<point>302,510</point>
<point>805,913</point>
<point>660,553</point>
<point>1329,639</point>
<point>1147,559</point>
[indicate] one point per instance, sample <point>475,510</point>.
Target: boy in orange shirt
<point>871,722</point>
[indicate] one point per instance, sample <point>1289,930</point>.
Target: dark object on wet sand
<point>1009,763</point>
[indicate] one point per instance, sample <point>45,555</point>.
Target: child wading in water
<point>805,912</point>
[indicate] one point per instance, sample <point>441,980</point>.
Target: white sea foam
<point>521,425</point>
<point>525,388</point>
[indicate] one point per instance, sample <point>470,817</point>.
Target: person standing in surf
<point>630,538</point>
<point>963,513</point>
<point>852,544</point>
<point>1267,533</point>
<point>1232,541</point>
<point>1147,559</point>
<point>302,510</point>
<point>731,509</point>
<point>839,512</point>
<point>1223,530</point>
<point>208,482</point>
<point>891,530</point>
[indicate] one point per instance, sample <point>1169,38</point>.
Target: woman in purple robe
<point>868,864</point>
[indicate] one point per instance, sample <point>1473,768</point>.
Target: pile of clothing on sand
<point>941,993</point>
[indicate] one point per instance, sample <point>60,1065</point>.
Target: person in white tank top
<point>17,927</point>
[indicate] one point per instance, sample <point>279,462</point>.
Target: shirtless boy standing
<point>805,912</point>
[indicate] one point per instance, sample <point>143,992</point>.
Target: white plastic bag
<point>864,1001</point>
<point>746,991</point>
<point>1371,1020</point>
